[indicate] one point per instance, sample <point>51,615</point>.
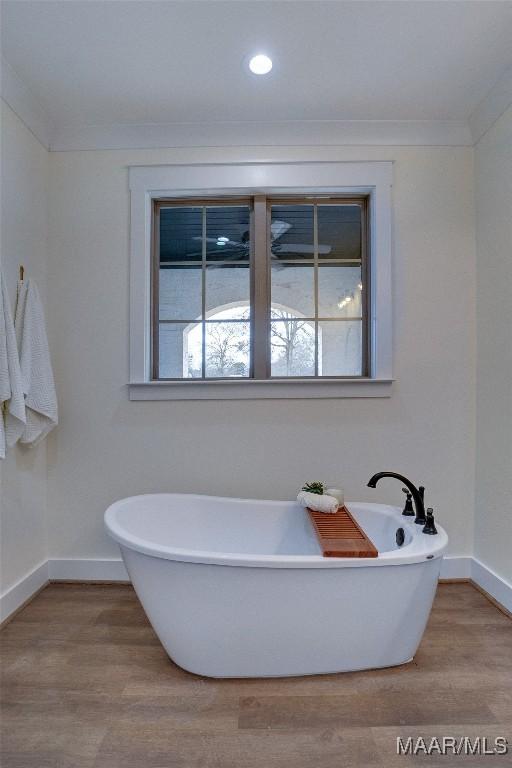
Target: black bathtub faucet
<point>418,494</point>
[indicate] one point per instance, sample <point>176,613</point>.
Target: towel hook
<point>22,272</point>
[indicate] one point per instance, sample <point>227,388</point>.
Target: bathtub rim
<point>422,547</point>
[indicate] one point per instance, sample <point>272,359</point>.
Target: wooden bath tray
<point>340,536</point>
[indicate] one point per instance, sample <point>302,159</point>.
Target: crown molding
<point>492,106</point>
<point>23,102</point>
<point>265,133</point>
<point>315,133</point>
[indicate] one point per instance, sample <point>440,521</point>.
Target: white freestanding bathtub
<point>239,588</point>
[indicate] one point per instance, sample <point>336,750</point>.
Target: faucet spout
<point>417,493</point>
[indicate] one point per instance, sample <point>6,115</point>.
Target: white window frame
<point>247,179</point>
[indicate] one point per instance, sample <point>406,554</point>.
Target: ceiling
<point>146,62</point>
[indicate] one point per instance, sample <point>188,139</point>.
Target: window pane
<point>340,348</point>
<point>179,350</point>
<point>291,232</point>
<point>292,344</point>
<point>228,233</point>
<point>339,231</point>
<point>227,349</point>
<point>180,293</point>
<point>339,291</point>
<point>293,290</point>
<point>228,287</point>
<point>180,234</point>
<point>316,306</point>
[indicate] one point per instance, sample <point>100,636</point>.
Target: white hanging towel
<point>12,400</point>
<point>36,367</point>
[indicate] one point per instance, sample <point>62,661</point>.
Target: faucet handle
<point>408,509</point>
<point>430,526</point>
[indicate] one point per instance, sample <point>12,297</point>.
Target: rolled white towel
<point>317,502</point>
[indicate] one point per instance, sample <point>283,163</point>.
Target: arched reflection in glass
<point>227,343</point>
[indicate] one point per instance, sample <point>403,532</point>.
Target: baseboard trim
<point>113,571</point>
<point>21,593</point>
<point>456,567</point>
<point>87,570</point>
<point>492,586</point>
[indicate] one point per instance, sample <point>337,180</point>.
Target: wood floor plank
<point>360,710</point>
<point>154,747</point>
<point>86,684</point>
<point>38,740</point>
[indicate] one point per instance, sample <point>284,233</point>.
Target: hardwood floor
<point>86,684</point>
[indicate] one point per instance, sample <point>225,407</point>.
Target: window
<point>265,287</point>
<point>269,312</point>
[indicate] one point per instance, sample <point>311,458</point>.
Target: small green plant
<point>315,487</point>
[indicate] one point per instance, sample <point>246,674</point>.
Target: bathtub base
<point>226,621</point>
<point>294,674</point>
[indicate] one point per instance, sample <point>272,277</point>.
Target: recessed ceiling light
<point>260,64</point>
<point>223,239</point>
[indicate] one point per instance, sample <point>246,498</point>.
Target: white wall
<point>493,175</point>
<point>107,447</point>
<point>24,167</point>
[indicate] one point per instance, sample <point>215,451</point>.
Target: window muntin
<point>203,288</point>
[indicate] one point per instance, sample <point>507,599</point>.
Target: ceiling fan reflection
<point>231,248</point>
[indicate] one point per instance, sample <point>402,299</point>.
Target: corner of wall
<point>24,235</point>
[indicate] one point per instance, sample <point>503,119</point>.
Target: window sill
<point>270,389</point>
